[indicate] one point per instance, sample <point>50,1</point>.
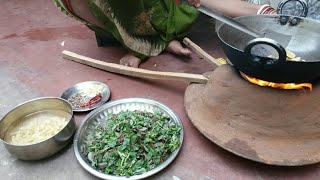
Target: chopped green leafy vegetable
<point>131,143</point>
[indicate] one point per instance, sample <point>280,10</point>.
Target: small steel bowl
<point>46,147</point>
<point>81,88</point>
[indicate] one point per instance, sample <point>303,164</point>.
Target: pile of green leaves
<point>131,143</point>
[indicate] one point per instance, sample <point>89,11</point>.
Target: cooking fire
<point>276,85</point>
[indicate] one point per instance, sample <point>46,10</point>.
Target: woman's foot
<point>176,48</point>
<point>173,47</point>
<point>130,60</point>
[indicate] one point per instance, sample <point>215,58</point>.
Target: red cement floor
<point>31,65</point>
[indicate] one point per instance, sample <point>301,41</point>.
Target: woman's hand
<point>195,3</point>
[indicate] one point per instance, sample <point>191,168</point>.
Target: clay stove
<point>272,126</point>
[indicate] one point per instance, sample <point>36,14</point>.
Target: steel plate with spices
<point>128,139</point>
<point>86,96</point>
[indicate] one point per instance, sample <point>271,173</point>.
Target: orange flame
<point>277,85</point>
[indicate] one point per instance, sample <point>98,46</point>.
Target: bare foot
<point>130,60</point>
<point>176,48</point>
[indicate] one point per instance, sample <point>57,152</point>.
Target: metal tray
<point>86,89</point>
<point>99,115</point>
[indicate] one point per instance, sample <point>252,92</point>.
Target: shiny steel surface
<point>231,22</point>
<point>98,116</point>
<point>77,88</point>
<point>47,147</point>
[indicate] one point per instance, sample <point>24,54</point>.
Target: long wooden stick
<point>201,52</point>
<point>136,72</point>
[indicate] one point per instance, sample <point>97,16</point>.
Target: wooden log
<point>135,72</point>
<point>193,46</point>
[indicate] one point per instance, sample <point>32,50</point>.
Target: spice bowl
<point>54,106</point>
<point>87,95</point>
<point>100,115</point>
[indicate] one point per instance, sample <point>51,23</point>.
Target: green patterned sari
<point>144,27</point>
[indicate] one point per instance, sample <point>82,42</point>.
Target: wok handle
<point>302,2</point>
<point>265,62</point>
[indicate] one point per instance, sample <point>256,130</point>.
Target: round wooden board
<point>272,126</point>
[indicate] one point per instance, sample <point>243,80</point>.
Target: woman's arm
<point>230,8</point>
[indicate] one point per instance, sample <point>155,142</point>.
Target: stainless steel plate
<point>99,116</point>
<point>87,90</point>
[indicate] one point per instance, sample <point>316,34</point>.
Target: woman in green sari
<point>145,27</point>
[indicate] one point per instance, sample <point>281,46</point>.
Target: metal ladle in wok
<point>250,29</point>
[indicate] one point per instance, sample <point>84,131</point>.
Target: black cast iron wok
<point>305,43</point>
